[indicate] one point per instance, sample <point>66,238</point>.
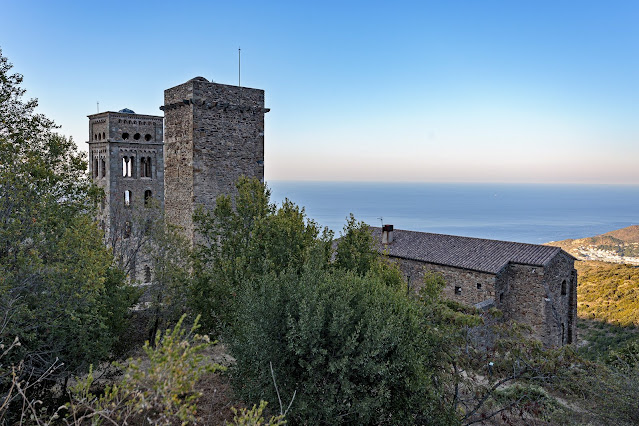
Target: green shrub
<point>351,350</point>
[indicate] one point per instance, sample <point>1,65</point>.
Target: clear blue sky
<point>475,90</point>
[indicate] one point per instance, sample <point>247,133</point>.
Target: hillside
<point>619,246</point>
<point>608,292</point>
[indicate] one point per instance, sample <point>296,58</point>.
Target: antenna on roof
<point>98,102</point>
<point>381,220</point>
<point>239,67</point>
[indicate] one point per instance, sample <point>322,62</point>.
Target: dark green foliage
<point>355,250</point>
<point>352,350</point>
<point>244,243</point>
<point>59,294</point>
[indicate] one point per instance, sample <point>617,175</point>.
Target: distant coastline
<point>532,213</point>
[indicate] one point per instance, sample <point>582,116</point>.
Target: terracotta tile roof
<point>476,254</point>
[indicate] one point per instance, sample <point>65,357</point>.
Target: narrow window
<point>478,286</point>
<point>147,274</point>
<point>563,334</point>
<point>501,297</point>
<point>147,197</point>
<point>563,288</point>
<point>95,167</point>
<point>143,167</point>
<point>127,166</point>
<point>457,290</point>
<point>95,136</point>
<point>103,164</point>
<point>148,167</point>
<point>103,135</point>
<point>127,229</point>
<point>127,198</point>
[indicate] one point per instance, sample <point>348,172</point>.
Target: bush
<point>351,350</point>
<point>161,392</point>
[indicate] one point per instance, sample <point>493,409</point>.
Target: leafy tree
<point>59,293</point>
<point>242,242</point>
<point>355,248</point>
<point>171,263</point>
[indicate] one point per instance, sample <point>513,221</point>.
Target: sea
<point>529,213</point>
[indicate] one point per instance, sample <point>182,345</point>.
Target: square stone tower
<point>214,134</point>
<point>126,160</point>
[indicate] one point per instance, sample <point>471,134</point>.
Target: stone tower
<point>126,160</point>
<point>214,134</point>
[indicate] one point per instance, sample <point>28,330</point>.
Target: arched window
<point>564,290</point>
<point>103,165</point>
<point>145,167</point>
<point>147,197</point>
<point>103,135</point>
<point>127,198</point>
<point>127,166</point>
<point>95,167</point>
<point>147,274</point>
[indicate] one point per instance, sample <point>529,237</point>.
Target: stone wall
<point>464,286</point>
<point>214,134</point>
<point>560,281</point>
<point>521,297</point>
<point>533,295</point>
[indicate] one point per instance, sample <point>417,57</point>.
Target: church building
<point>530,283</point>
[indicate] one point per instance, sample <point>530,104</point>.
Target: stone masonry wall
<point>521,297</point>
<point>214,135</point>
<point>178,157</point>
<point>560,279</point>
<point>533,295</point>
<point>466,281</point>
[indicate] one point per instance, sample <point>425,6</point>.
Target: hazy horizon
<point>494,91</point>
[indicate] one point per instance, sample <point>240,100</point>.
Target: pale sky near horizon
<point>447,91</point>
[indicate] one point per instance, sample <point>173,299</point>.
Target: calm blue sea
<point>512,212</point>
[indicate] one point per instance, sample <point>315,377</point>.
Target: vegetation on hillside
<point>608,292</point>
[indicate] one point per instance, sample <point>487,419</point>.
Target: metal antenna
<point>239,67</point>
<point>381,220</point>
<point>98,106</point>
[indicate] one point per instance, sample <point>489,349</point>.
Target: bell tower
<point>126,160</point>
